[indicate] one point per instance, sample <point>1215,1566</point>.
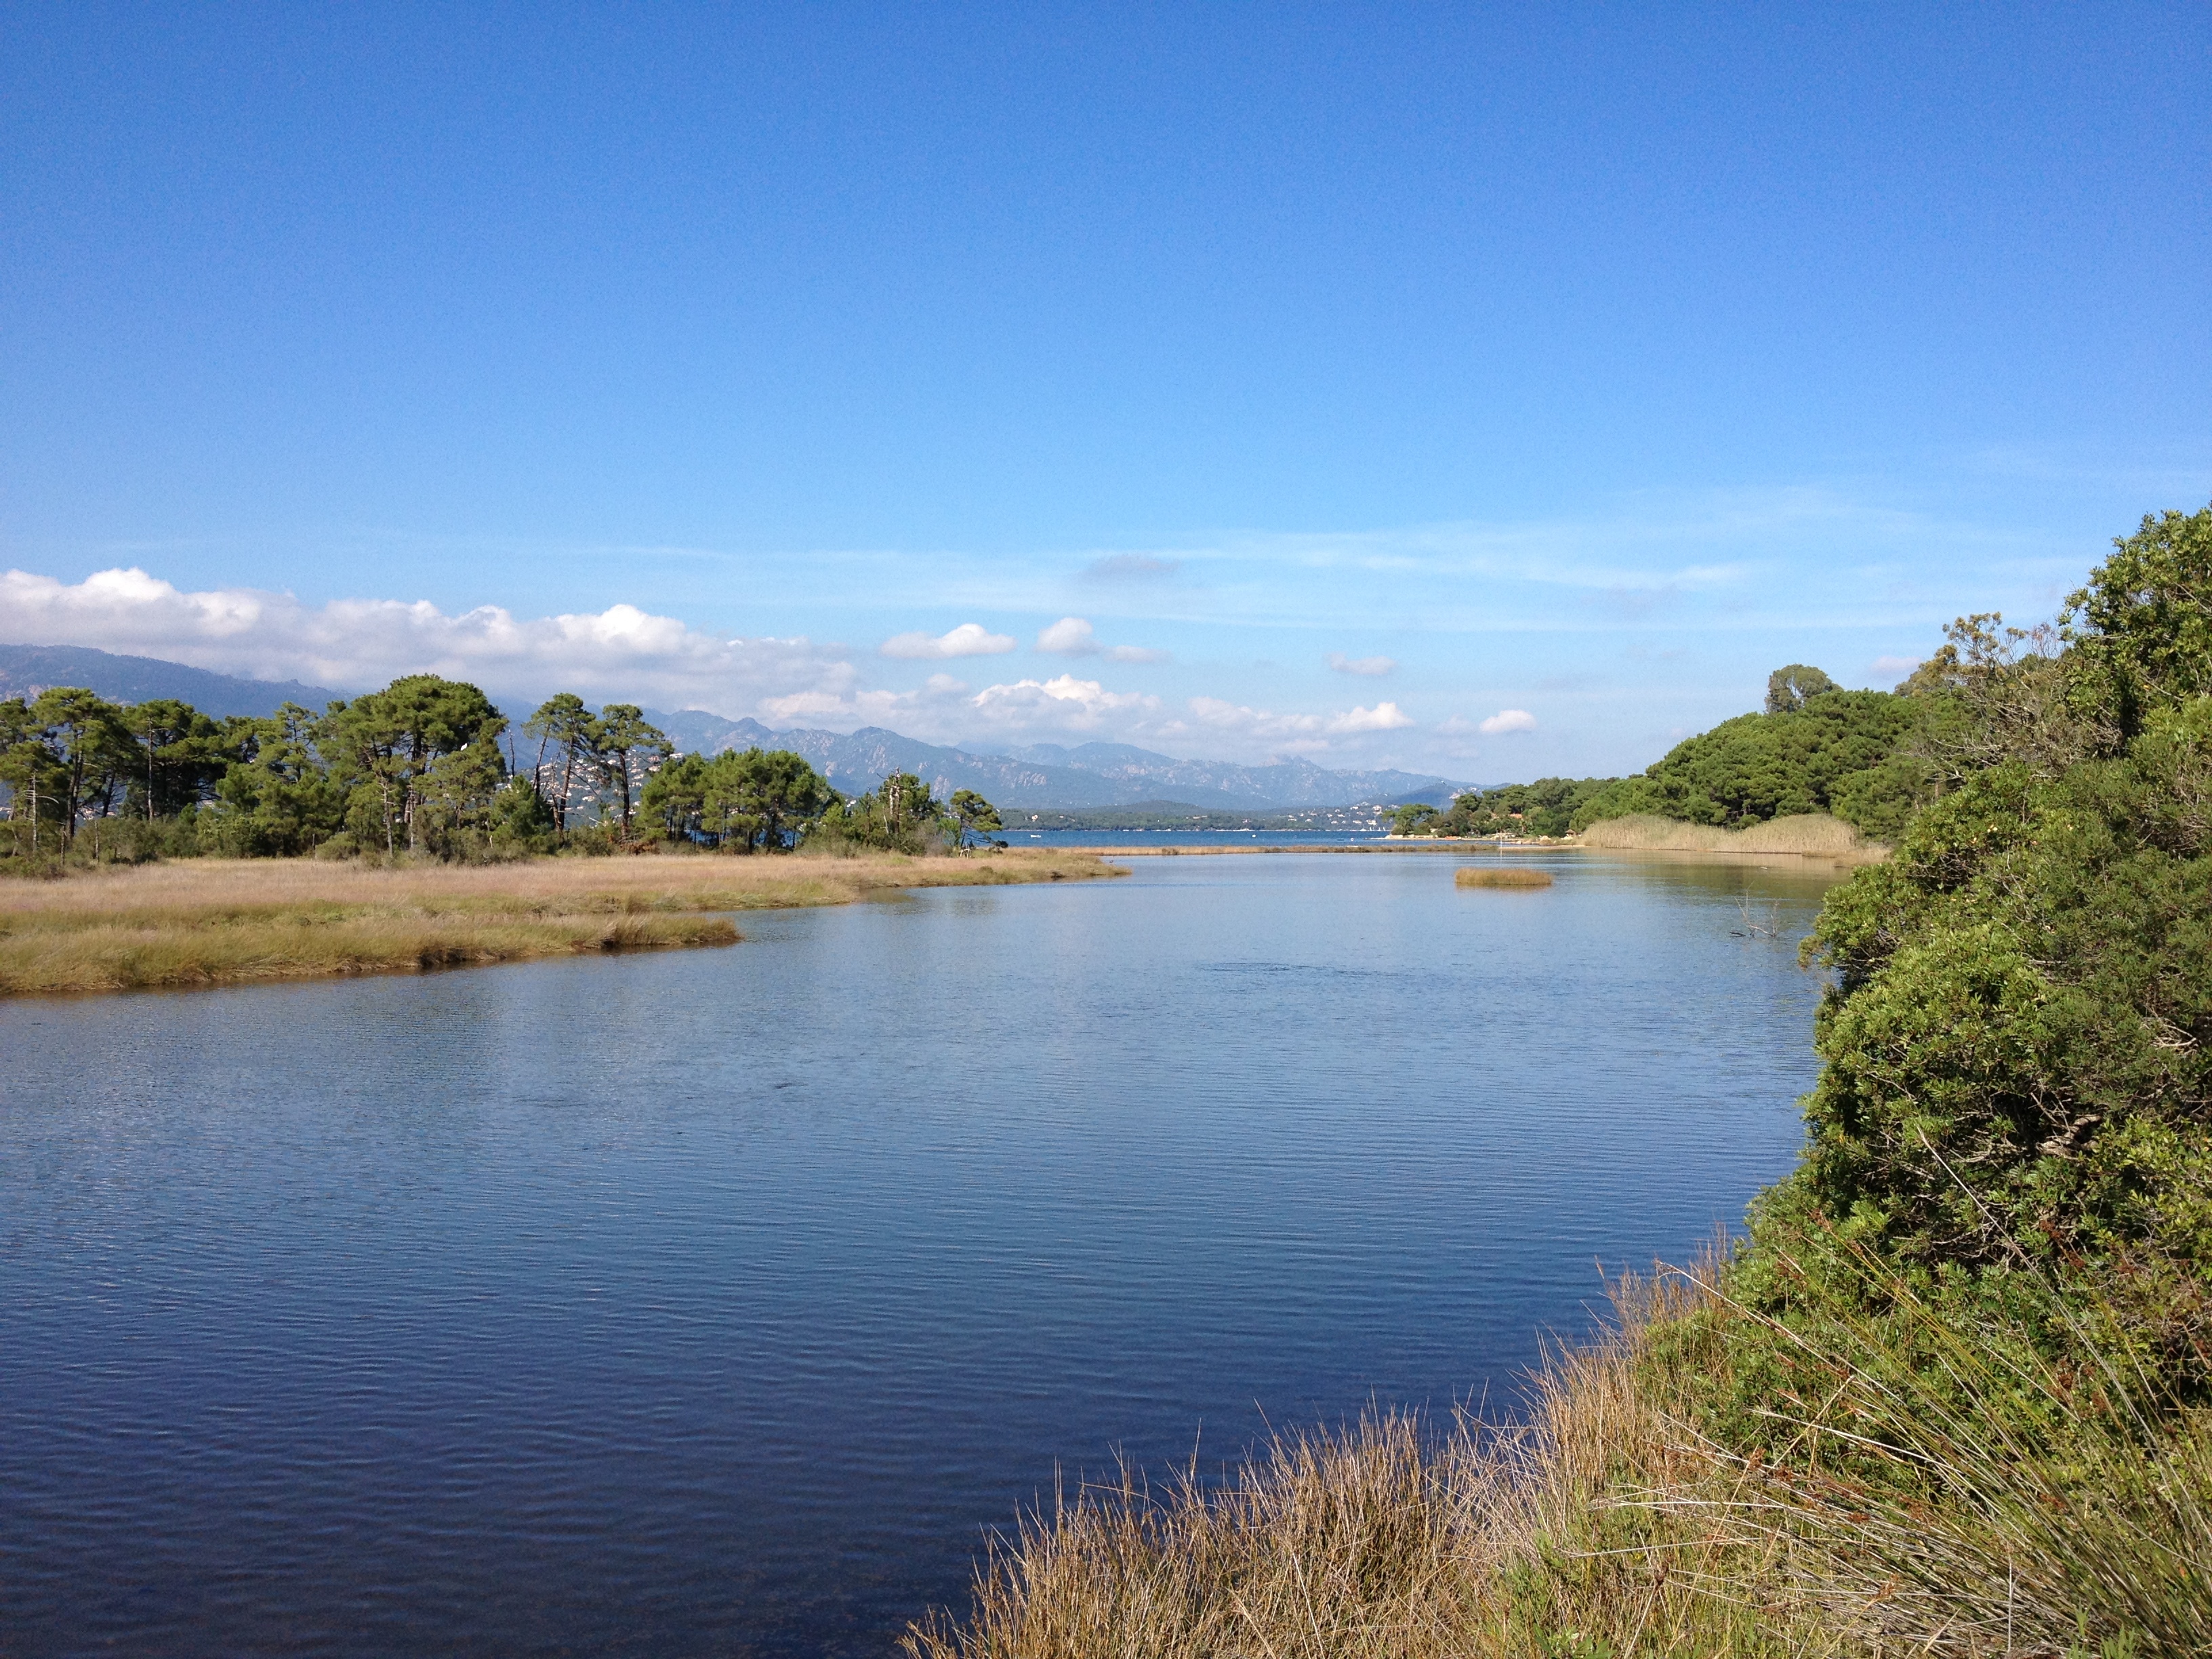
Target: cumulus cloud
<point>1062,703</point>
<point>1508,720</point>
<point>358,644</point>
<point>969,640</point>
<point>1072,636</point>
<point>1296,731</point>
<point>1893,668</point>
<point>1383,717</point>
<point>1372,667</point>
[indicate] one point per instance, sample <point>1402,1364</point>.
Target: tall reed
<point>1811,833</point>
<point>1947,1494</point>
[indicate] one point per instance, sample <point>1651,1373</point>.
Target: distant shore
<point>209,922</point>
<point>1713,854</point>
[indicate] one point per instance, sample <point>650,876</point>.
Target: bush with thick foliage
<point>1833,751</point>
<point>2014,1115</point>
<point>1546,807</point>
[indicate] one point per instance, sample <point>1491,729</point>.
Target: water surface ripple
<point>716,1302</point>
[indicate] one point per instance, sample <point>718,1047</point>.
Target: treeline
<point>426,767</point>
<point>1868,757</point>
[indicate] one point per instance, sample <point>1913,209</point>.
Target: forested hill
<point>1815,748</point>
<point>27,670</point>
<point>1836,752</point>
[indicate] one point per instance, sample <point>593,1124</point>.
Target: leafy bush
<point>1546,807</point>
<point>2017,1087</point>
<point>1834,751</point>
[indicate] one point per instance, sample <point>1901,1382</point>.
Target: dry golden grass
<point>1911,1515</point>
<point>1517,876</point>
<point>1381,1541</point>
<point>1813,835</point>
<point>211,922</point>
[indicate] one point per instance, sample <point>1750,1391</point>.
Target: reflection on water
<point>716,1302</point>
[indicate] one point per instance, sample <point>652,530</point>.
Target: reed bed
<point>1390,1540</point>
<point>218,922</point>
<point>1510,875</point>
<point>1903,1516</point>
<point>1813,835</point>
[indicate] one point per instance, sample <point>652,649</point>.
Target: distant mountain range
<point>1045,774</point>
<point>1049,775</point>
<point>27,670</point>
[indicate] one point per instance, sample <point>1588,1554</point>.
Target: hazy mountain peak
<point>30,669</point>
<point>1050,775</point>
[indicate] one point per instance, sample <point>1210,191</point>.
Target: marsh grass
<point>1389,1537</point>
<point>210,921</point>
<point>1911,1511</point>
<point>1813,834</point>
<point>1510,875</point>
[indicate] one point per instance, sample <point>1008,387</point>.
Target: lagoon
<point>716,1302</point>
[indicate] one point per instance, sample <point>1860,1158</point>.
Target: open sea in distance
<point>718,1302</point>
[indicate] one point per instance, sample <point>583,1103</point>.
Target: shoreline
<point>201,923</point>
<point>1688,855</point>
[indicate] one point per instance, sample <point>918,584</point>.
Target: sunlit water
<point>717,1302</point>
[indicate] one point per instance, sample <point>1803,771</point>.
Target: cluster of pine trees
<point>426,767</point>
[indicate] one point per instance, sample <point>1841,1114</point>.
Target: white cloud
<point>1884,668</point>
<point>1071,636</point>
<point>1508,720</point>
<point>1062,703</point>
<point>1220,714</point>
<point>1372,667</point>
<point>1383,717</point>
<point>1298,732</point>
<point>354,645</point>
<point>969,640</point>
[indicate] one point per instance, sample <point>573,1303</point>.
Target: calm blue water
<point>1018,836</point>
<point>715,1302</point>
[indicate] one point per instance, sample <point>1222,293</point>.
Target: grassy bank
<point>221,921</point>
<point>1813,835</point>
<point>1904,1509</point>
<point>1582,1531</point>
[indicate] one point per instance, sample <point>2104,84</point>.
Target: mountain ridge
<point>27,670</point>
<point>1053,775</point>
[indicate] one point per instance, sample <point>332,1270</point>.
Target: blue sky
<point>1358,375</point>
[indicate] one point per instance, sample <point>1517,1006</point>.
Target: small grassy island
<point>1953,1394</point>
<point>1512,877</point>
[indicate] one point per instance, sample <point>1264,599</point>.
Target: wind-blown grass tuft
<point>1912,1511</point>
<point>1812,833</point>
<point>1510,875</point>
